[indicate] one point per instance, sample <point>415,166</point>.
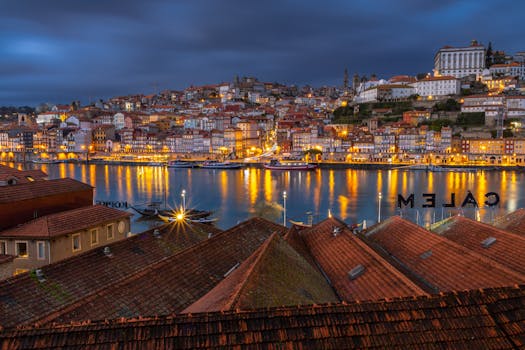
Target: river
<point>349,194</point>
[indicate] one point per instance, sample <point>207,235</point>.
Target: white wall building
<point>438,86</point>
<point>460,61</point>
<point>513,69</point>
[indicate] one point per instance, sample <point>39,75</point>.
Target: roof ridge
<point>133,276</point>
<point>119,321</point>
<point>493,228</point>
<point>259,254</point>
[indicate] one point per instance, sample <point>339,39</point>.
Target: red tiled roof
<point>23,300</point>
<point>161,282</point>
<point>507,248</point>
<point>37,189</point>
<point>273,275</point>
<point>173,284</point>
<point>513,222</point>
<point>5,258</point>
<point>21,175</point>
<point>435,260</point>
<point>66,222</point>
<point>339,254</point>
<point>479,319</point>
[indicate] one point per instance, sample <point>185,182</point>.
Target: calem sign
<point>491,199</point>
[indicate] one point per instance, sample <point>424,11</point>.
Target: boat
<point>180,164</point>
<point>276,165</point>
<point>204,220</point>
<point>45,161</point>
<point>151,209</point>
<point>154,209</point>
<point>213,164</point>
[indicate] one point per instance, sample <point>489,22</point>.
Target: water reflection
<point>352,195</point>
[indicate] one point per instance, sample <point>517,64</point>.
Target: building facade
<point>460,62</point>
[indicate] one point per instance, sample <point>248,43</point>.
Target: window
<point>19,271</point>
<point>3,247</point>
<point>110,231</point>
<point>94,237</point>
<point>21,249</point>
<point>76,242</point>
<point>41,250</point>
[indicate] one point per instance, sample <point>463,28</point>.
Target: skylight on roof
<point>426,254</point>
<point>356,272</point>
<point>488,242</point>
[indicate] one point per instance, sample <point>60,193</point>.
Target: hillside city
<point>74,275</point>
<point>470,110</point>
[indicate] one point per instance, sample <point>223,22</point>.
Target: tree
<point>488,56</point>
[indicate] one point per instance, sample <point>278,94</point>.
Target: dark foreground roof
<point>479,319</point>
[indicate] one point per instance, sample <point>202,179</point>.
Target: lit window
<point>3,247</point>
<point>41,250</point>
<point>30,178</point>
<point>94,237</point>
<point>110,232</point>
<point>76,242</point>
<point>21,249</point>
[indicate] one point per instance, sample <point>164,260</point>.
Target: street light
<point>380,196</point>
<point>284,214</point>
<point>183,195</point>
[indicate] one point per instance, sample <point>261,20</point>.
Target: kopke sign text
<point>491,200</point>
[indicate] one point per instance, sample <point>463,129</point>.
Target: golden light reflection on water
<point>223,184</point>
<point>343,206</point>
<point>253,188</point>
<point>268,186</point>
<point>379,186</point>
<point>351,183</point>
<point>331,186</point>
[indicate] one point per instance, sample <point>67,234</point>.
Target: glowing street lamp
<point>284,205</point>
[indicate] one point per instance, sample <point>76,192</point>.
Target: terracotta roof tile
<point>513,222</point>
<point>435,260</point>
<point>66,222</point>
<point>171,284</point>
<point>273,275</point>
<point>5,258</point>
<point>37,189</point>
<point>354,269</point>
<point>24,300</point>
<point>485,319</point>
<point>20,175</point>
<point>501,246</point>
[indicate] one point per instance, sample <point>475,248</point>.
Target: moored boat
<point>276,165</point>
<point>45,161</point>
<point>212,164</point>
<point>180,164</point>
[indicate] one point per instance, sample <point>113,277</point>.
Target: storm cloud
<point>61,50</point>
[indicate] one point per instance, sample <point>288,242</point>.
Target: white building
<point>460,61</point>
<point>438,86</point>
<point>513,69</point>
<point>386,92</point>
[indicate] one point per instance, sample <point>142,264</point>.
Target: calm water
<point>352,195</point>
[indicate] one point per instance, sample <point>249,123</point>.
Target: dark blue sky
<point>63,50</point>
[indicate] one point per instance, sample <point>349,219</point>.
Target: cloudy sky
<point>62,50</point>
